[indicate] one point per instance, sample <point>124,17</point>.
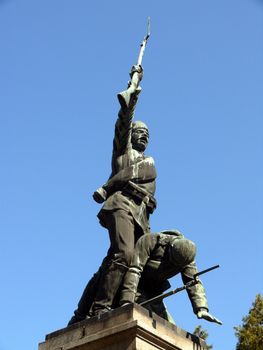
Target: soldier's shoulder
<point>149,159</point>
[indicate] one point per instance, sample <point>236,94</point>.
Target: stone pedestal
<point>127,328</point>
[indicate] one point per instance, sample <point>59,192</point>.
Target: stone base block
<point>127,328</point>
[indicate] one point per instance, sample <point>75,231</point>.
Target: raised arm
<point>128,100</point>
<point>123,126</point>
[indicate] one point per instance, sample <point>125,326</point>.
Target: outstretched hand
<point>208,317</point>
<point>100,195</point>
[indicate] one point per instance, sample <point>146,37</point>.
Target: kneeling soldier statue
<point>158,257</point>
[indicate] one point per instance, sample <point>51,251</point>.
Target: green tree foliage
<point>250,333</point>
<point>202,333</point>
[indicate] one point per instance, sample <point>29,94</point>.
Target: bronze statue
<point>128,194</point>
<point>128,198</point>
<point>158,257</point>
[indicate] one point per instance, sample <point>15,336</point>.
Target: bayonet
<point>143,44</point>
<point>136,73</point>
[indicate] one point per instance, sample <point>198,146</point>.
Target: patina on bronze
<point>158,257</point>
<point>128,198</point>
<point>138,264</point>
<point>186,286</point>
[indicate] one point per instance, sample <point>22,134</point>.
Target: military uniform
<point>129,166</point>
<point>154,262</point>
<point>130,200</point>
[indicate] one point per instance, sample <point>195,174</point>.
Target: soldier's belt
<point>141,195</point>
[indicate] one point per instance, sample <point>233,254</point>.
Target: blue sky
<point>61,65</point>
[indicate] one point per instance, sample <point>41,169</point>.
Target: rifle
<point>133,84</point>
<point>185,286</point>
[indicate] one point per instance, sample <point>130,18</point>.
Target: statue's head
<point>140,136</point>
<point>182,252</point>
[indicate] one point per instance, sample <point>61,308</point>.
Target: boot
<point>129,287</point>
<point>109,284</point>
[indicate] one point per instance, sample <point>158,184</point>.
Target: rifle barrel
<point>185,286</point>
<point>207,270</point>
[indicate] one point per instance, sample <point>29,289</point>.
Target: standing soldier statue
<point>128,198</point>
<point>128,194</point>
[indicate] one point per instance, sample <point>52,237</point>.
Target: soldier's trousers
<point>123,232</point>
<point>101,291</point>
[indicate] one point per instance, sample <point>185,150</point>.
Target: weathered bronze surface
<point>132,272</point>
<point>128,198</point>
<point>158,257</point>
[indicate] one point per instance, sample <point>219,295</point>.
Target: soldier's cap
<point>139,125</point>
<point>181,251</point>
